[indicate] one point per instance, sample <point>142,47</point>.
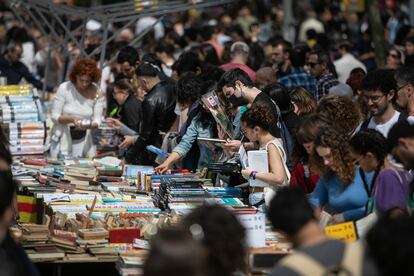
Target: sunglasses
<point>312,64</point>
<point>392,55</point>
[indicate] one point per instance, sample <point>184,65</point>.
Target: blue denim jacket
<point>208,153</point>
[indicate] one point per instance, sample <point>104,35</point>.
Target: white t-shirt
<point>146,22</point>
<point>344,66</point>
<point>384,128</point>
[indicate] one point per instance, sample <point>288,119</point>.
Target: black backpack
<point>403,116</point>
<point>287,138</point>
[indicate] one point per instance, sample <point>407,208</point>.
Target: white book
<point>258,161</point>
<point>324,219</point>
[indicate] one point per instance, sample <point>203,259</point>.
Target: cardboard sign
<point>255,229</point>
<point>343,231</point>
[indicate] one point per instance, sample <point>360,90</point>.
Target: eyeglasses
<point>392,55</point>
<point>312,64</point>
<point>401,87</point>
<point>374,99</point>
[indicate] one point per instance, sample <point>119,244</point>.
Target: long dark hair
<point>371,140</point>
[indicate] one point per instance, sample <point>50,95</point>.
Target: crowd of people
<point>338,130</point>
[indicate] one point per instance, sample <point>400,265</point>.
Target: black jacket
<point>14,72</point>
<point>131,113</point>
<point>157,115</point>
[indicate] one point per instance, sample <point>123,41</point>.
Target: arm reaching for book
<point>166,165</point>
<point>128,140</point>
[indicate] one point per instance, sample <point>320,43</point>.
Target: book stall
<point>87,211</point>
<point>100,212</point>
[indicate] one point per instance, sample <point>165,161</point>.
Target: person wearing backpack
<point>378,91</point>
<point>240,91</point>
<point>391,183</point>
<point>315,254</point>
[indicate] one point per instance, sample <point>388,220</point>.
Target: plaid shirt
<point>299,77</point>
<point>324,84</point>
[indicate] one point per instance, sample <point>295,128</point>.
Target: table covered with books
<point>75,211</point>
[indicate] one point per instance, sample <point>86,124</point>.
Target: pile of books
<point>23,119</point>
<point>177,192</point>
<point>131,266</point>
<point>35,233</point>
<point>80,175</point>
<point>26,138</point>
<point>93,234</point>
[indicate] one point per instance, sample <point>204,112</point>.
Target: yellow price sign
<point>343,231</point>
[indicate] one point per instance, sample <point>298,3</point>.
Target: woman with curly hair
<point>341,111</point>
<point>255,125</point>
<point>391,183</point>
<point>77,108</point>
<point>341,185</point>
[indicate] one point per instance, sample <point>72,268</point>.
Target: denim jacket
<point>208,152</point>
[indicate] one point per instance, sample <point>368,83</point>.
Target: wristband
<point>253,175</point>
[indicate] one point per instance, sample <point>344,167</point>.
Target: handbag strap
<point>303,264</point>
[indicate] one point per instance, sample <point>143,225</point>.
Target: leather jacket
<point>157,115</point>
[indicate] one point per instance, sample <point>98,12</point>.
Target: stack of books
<point>26,138</point>
<point>178,193</point>
<point>93,233</point>
<point>35,232</point>
<point>80,175</point>
<point>23,118</point>
<point>131,266</point>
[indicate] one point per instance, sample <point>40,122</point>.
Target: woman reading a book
<point>77,108</point>
<point>341,186</point>
<point>255,125</point>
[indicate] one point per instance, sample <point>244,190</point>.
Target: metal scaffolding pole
<point>127,13</point>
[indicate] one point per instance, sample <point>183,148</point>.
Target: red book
<point>36,162</point>
<point>124,235</point>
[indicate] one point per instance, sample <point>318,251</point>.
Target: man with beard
<point>239,90</point>
<point>401,145</point>
<point>378,90</point>
<point>405,91</point>
<point>128,60</point>
<point>281,57</point>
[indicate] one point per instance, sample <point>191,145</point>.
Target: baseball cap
<point>239,46</point>
<point>343,90</point>
<point>401,129</point>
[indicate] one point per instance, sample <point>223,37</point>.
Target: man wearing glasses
<point>405,90</point>
<point>318,67</point>
<point>378,90</point>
